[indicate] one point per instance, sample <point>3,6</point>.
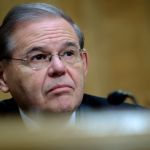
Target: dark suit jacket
<point>89,104</point>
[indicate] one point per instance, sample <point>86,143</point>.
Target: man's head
<point>43,62</point>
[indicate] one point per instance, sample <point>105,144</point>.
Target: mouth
<point>58,89</point>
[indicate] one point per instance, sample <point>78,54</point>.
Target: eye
<point>68,53</point>
<point>38,57</point>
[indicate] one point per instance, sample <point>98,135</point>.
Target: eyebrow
<point>68,43</point>
<point>40,48</point>
<point>34,49</point>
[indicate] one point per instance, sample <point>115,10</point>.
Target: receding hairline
<point>30,12</point>
<point>20,26</point>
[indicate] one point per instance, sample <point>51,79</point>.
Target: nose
<point>57,67</point>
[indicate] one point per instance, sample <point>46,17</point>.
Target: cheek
<point>77,74</point>
<point>34,82</point>
<point>25,80</point>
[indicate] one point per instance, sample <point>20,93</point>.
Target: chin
<point>63,106</point>
<point>61,109</point>
<point>66,109</point>
<point>60,103</point>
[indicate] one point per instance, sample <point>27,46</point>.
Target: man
<point>44,63</point>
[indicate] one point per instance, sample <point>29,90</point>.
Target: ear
<point>3,85</point>
<point>85,60</point>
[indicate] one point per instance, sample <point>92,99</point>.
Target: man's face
<point>57,87</point>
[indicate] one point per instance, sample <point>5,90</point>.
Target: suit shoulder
<point>8,106</point>
<point>96,102</point>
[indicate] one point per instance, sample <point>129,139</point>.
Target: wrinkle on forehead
<point>43,31</point>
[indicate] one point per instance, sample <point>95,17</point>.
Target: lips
<point>60,88</point>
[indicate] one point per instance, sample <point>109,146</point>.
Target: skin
<point>55,88</point>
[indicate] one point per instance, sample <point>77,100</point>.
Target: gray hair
<point>29,12</point>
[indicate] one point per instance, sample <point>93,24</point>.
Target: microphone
<point>118,97</point>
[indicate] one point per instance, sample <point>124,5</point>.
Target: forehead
<point>47,31</point>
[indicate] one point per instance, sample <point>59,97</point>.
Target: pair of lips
<point>59,87</point>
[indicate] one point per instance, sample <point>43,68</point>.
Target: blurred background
<point>117,37</point>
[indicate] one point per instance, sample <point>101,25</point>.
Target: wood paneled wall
<point>117,38</point>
